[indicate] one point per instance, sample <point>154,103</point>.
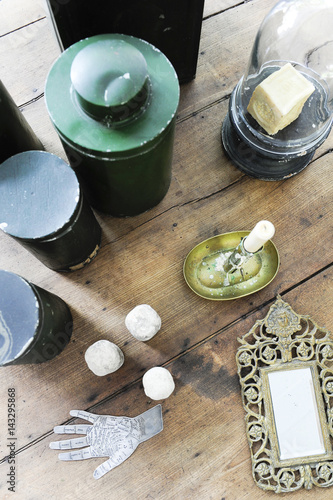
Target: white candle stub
<point>262,232</point>
<point>158,383</point>
<point>104,357</point>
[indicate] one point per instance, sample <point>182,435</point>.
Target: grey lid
<point>19,316</point>
<point>38,194</point>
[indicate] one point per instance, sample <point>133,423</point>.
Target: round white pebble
<point>104,357</point>
<point>143,322</point>
<point>158,383</point>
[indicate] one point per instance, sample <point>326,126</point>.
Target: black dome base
<point>255,164</point>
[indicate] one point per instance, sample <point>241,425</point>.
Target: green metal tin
<point>35,325</point>
<point>113,101</point>
<point>16,134</point>
<point>42,206</point>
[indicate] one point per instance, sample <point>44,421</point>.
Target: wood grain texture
<point>202,451</point>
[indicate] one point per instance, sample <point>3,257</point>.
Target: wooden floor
<point>202,452</point>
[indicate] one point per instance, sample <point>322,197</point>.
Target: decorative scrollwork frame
<point>285,340</point>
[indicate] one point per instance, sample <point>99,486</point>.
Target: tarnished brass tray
<point>202,277</point>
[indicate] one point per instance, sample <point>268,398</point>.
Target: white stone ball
<point>143,322</point>
<point>158,383</point>
<point>104,357</point>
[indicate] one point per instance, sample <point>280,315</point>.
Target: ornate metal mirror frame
<point>285,367</point>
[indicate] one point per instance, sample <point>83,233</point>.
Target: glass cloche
<point>281,109</point>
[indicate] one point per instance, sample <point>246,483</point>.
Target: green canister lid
<point>112,95</point>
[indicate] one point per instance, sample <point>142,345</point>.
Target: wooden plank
<point>17,13</point>
<point>202,451</point>
<point>189,156</point>
<point>220,65</point>
<point>213,7</point>
<point>22,60</point>
<point>200,166</point>
<point>145,266</point>
<point>38,118</point>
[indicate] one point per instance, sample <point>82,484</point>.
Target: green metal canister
<point>113,101</point>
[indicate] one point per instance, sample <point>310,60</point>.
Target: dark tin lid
<point>19,316</point>
<point>39,193</point>
<point>112,94</point>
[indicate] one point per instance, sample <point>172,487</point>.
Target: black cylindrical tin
<point>173,26</point>
<point>42,206</point>
<point>16,134</point>
<point>35,325</point>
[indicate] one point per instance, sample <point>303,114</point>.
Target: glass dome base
<point>255,164</point>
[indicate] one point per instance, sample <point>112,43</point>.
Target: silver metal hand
<point>109,436</point>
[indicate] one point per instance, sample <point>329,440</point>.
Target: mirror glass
<point>296,413</point>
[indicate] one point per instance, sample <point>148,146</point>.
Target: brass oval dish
<point>205,280</point>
